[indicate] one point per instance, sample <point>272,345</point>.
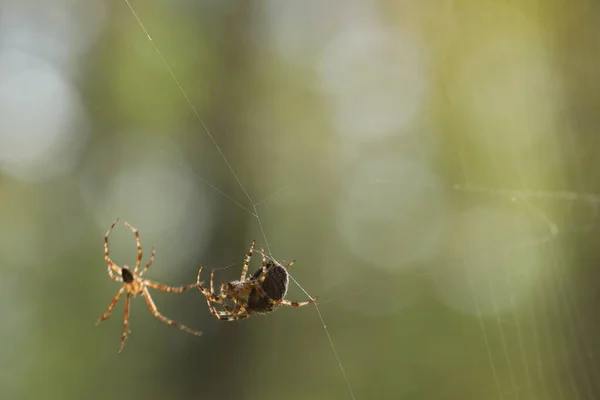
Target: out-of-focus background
<point>430,165</point>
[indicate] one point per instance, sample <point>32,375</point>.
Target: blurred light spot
<point>164,202</point>
<point>41,130</point>
<point>287,21</point>
<point>391,224</point>
<point>376,79</point>
<point>57,31</point>
<point>495,258</point>
<point>508,92</point>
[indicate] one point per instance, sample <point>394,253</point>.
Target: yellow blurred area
<point>430,166</point>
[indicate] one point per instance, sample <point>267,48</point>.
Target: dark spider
<point>262,292</point>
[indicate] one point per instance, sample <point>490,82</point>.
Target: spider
<point>134,284</point>
<point>262,293</point>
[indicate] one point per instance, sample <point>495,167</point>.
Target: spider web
<point>254,210</point>
<point>531,325</point>
<point>448,221</point>
<point>556,357</point>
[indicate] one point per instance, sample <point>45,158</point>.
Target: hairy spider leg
<point>247,261</point>
<point>125,322</point>
<point>295,303</point>
<point>164,319</point>
<point>138,242</point>
<point>230,314</point>
<point>110,265</point>
<point>212,298</point>
<point>290,264</point>
<point>111,306</point>
<point>149,262</point>
<point>205,291</point>
<point>170,289</point>
<point>224,316</point>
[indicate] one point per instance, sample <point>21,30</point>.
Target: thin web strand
<point>255,213</point>
<point>564,340</point>
<point>524,196</point>
<point>503,341</point>
<point>583,332</point>
<point>234,201</point>
<point>333,349</point>
<point>523,193</point>
<point>536,343</point>
<point>517,323</point>
<point>573,334</point>
<point>477,309</point>
<point>484,333</point>
<point>552,233</point>
<point>575,322</point>
<point>513,311</point>
<point>551,354</point>
<point>553,229</point>
<point>335,353</point>
<point>187,99</point>
<point>269,197</point>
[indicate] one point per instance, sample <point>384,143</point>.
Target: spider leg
<point>294,303</point>
<point>201,288</point>
<point>149,262</point>
<point>125,322</point>
<point>164,319</point>
<point>170,289</point>
<point>229,314</point>
<point>198,281</point>
<point>226,317</point>
<point>212,308</point>
<point>209,293</point>
<point>111,306</point>
<point>284,302</point>
<point>110,266</point>
<point>263,274</point>
<point>136,232</point>
<point>214,296</point>
<point>286,267</point>
<point>212,281</point>
<point>247,261</point>
<point>290,264</point>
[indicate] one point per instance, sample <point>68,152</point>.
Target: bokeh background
<point>430,165</point>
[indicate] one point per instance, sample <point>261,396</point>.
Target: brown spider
<point>262,293</point>
<point>134,284</point>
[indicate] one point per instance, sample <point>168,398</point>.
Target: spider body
<point>262,292</point>
<point>275,286</point>
<point>127,276</point>
<point>134,284</point>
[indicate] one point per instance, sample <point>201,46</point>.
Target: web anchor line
<point>254,208</point>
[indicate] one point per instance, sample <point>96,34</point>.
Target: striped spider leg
<point>261,293</point>
<point>134,284</point>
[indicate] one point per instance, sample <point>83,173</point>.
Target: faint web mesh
<point>519,286</point>
<point>253,211</point>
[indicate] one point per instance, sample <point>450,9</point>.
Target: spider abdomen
<point>127,275</point>
<point>275,286</point>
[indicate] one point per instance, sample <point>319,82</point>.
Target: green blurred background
<point>430,165</point>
